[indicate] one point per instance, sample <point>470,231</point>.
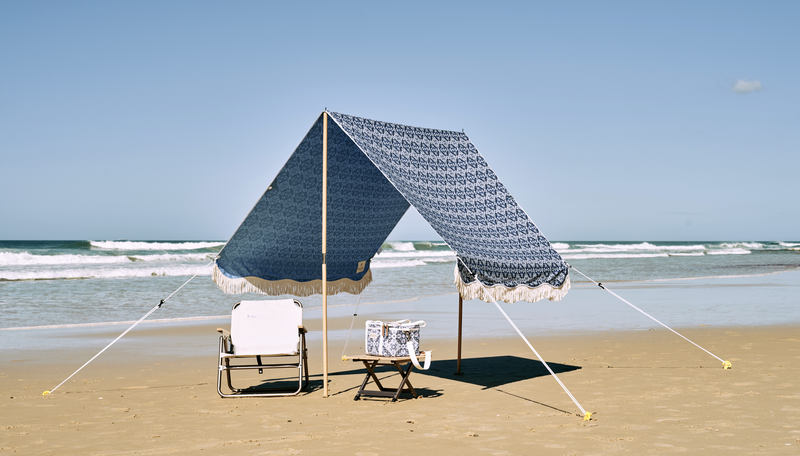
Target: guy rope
<point>725,364</point>
<point>346,341</point>
<point>158,306</point>
<point>586,415</point>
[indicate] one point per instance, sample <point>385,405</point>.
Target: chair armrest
<point>301,329</point>
<point>224,332</point>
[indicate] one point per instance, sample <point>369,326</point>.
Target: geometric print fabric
<point>281,237</point>
<point>375,170</point>
<point>446,179</point>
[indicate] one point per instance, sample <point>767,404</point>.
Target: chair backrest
<point>266,327</point>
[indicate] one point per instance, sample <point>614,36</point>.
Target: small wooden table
<point>370,362</point>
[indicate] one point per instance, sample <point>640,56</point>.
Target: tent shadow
<point>315,384</point>
<point>493,371</point>
<point>489,372</point>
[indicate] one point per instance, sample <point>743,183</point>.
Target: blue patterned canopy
<point>375,170</point>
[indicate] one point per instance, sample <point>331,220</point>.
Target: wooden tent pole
<point>460,314</point>
<point>324,251</point>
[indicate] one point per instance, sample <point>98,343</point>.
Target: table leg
<point>404,381</point>
<point>393,393</point>
<point>370,373</point>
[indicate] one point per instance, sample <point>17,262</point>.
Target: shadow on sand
<point>490,372</point>
<point>493,371</point>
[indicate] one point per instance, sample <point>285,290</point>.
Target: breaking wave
<point>600,250</point>
<point>104,273</point>
<point>586,256</point>
<point>396,264</point>
<point>143,245</point>
<point>733,251</point>
<point>28,259</point>
<point>417,253</point>
<point>745,245</point>
<point>609,248</point>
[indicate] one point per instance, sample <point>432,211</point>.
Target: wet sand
<point>651,393</point>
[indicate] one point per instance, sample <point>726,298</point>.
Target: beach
<point>618,176</point>
<point>650,391</point>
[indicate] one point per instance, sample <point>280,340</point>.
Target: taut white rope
<point>128,330</point>
<point>346,341</point>
<point>586,415</point>
<point>725,364</point>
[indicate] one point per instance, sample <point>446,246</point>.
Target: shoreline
<point>582,282</point>
<point>784,278</point>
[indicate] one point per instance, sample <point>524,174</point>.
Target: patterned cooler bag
<point>395,339</point>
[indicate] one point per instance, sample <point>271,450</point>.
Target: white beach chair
<point>263,329</point>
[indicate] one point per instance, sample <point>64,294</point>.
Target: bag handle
<point>410,346</point>
<point>428,357</point>
<point>421,323</point>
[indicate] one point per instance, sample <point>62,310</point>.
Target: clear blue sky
<point>606,120</point>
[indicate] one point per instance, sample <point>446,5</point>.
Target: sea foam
<point>396,264</point>
<point>402,246</point>
<point>105,273</point>
<point>139,245</point>
<point>644,246</point>
<point>733,251</point>
<point>27,259</point>
<point>586,256</point>
<point>417,254</point>
<point>746,245</point>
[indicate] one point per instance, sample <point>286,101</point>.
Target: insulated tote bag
<point>395,339</point>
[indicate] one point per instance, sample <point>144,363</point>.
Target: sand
<point>650,391</point>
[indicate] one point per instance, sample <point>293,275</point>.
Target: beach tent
<point>333,204</point>
<point>327,213</point>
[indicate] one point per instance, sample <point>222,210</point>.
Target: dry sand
<point>651,392</point>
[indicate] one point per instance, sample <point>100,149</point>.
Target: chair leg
<point>305,367</point>
<point>304,352</point>
<point>221,367</point>
<point>228,372</point>
<point>225,364</point>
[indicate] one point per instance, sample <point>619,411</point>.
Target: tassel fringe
<point>473,290</point>
<point>287,287</point>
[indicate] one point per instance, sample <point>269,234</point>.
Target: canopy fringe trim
<point>286,286</point>
<point>477,290</point>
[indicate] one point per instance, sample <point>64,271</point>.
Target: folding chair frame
<point>225,365</point>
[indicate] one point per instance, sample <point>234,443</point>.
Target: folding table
<point>370,362</point>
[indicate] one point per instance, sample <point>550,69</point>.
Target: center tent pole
<point>324,251</point>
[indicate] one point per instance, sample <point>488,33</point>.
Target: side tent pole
<point>324,251</point>
<point>460,314</point>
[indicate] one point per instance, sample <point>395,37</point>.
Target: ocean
<point>68,283</point>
